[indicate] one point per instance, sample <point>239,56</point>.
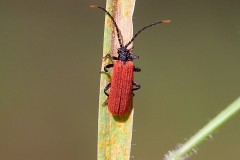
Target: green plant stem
<point>114,133</point>
<point>205,132</point>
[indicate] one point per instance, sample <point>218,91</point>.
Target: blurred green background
<point>50,58</point>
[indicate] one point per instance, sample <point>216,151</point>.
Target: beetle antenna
<point>114,22</point>
<point>147,26</point>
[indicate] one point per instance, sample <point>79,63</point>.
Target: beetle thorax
<point>124,54</point>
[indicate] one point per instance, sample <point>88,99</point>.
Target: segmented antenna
<point>147,26</point>
<point>114,22</point>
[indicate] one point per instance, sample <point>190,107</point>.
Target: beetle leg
<point>106,71</point>
<point>108,56</point>
<point>111,58</point>
<point>105,92</point>
<point>107,66</point>
<point>134,56</point>
<point>107,88</point>
<point>136,86</point>
<point>136,69</point>
<point>115,58</point>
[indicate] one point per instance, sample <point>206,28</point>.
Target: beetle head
<point>124,54</point>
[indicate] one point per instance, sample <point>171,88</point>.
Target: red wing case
<point>120,96</point>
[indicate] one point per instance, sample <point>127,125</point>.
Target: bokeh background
<point>50,58</point>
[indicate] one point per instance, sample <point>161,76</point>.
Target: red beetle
<point>122,84</point>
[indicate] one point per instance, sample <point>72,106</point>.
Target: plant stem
<point>205,132</point>
<point>114,133</point>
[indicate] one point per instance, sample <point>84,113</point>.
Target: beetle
<point>122,84</point>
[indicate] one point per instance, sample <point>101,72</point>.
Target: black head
<point>124,54</point>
